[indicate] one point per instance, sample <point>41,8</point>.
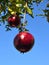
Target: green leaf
<point>8,29</point>
<point>48,5</point>
<point>1,1</point>
<point>29,10</point>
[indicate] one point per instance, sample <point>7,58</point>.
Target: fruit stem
<point>24,16</point>
<point>22,26</point>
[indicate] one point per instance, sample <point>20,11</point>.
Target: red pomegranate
<point>14,20</point>
<point>23,41</point>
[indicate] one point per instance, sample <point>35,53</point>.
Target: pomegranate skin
<point>24,41</point>
<point>14,20</point>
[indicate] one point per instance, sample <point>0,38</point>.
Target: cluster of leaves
<point>8,7</point>
<point>46,12</point>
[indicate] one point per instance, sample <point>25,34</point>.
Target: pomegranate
<point>24,41</point>
<point>14,20</point>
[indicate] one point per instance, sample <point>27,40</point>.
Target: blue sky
<point>38,55</point>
